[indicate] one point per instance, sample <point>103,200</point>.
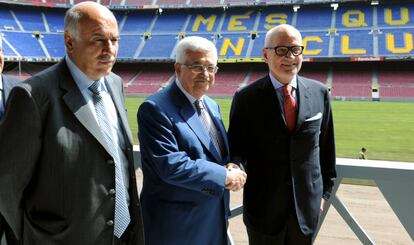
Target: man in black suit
<point>281,129</point>
<point>67,174</point>
<point>6,84</point>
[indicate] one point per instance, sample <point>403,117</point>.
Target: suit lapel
<point>115,93</point>
<point>303,102</point>
<point>190,116</point>
<point>79,107</point>
<point>216,118</point>
<point>77,104</point>
<point>271,100</point>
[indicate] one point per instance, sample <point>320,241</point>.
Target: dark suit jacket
<point>286,171</point>
<point>55,172</point>
<point>8,83</point>
<point>183,196</point>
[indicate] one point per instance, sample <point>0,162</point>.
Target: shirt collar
<point>189,96</point>
<point>81,79</point>
<point>277,84</point>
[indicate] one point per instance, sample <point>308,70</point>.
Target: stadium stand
<point>352,81</point>
<point>396,80</point>
<point>150,29</point>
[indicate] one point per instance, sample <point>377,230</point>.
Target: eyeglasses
<point>284,50</point>
<point>212,69</point>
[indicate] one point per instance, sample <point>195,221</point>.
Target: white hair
<point>71,21</point>
<point>195,44</point>
<point>282,29</point>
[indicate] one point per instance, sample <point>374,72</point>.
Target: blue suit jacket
<point>183,197</point>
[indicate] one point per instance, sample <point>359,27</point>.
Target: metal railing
<point>395,180</point>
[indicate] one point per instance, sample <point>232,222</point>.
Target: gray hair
<point>72,19</point>
<point>195,44</point>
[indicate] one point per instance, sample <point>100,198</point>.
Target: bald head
<point>85,11</point>
<point>282,31</point>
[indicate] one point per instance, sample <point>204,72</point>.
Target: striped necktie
<point>209,126</point>
<point>122,216</point>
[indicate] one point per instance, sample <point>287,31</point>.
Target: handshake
<point>236,178</point>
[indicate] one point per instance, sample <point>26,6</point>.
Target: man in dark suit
<point>281,129</point>
<point>66,172</point>
<point>185,157</point>
<point>6,84</point>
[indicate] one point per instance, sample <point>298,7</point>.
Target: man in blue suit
<point>281,129</point>
<point>185,155</point>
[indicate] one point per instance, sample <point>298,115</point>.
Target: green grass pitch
<point>386,129</point>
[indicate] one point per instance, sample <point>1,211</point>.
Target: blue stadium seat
<point>138,22</point>
<point>128,45</point>
<point>30,20</point>
<point>396,42</point>
<point>396,14</point>
<point>158,47</point>
<point>353,43</point>
<point>233,45</point>
<point>274,16</point>
<point>6,20</point>
<point>55,45</point>
<point>25,44</point>
<point>354,17</point>
<point>55,20</point>
<point>204,20</point>
<point>306,18</point>
<point>171,22</point>
<point>239,20</point>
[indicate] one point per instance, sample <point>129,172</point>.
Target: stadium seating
<point>150,78</point>
<point>352,81</point>
<point>229,80</point>
<point>396,80</point>
<point>150,30</point>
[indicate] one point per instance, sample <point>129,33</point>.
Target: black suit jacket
<point>56,173</point>
<point>286,171</point>
<point>8,83</point>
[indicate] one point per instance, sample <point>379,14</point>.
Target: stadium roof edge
<point>38,3</point>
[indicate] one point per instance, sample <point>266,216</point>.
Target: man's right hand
<point>236,178</point>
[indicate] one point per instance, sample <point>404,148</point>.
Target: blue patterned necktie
<point>209,126</point>
<point>122,217</point>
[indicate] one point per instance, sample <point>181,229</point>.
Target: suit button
<point>110,162</point>
<point>112,191</point>
<point>110,223</point>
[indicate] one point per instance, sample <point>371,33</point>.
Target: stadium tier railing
<point>395,180</point>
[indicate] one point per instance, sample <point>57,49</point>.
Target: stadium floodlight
<point>295,8</point>
<point>374,2</point>
<point>334,6</point>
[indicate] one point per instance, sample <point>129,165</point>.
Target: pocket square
<point>316,117</point>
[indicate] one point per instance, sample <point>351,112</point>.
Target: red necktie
<point>290,108</point>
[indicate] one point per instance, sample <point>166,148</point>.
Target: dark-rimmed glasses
<point>284,50</point>
<point>212,69</point>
